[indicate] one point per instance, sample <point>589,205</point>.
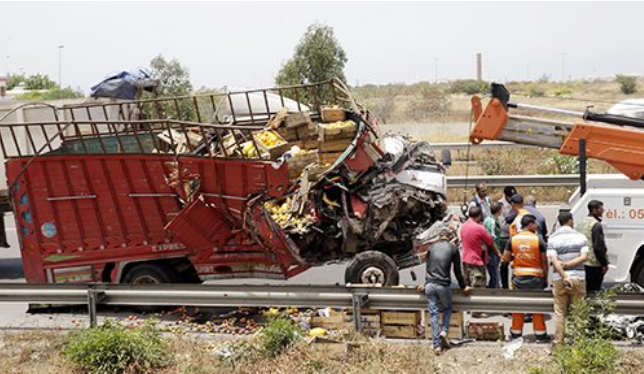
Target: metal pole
<point>91,306</point>
<point>60,66</point>
<point>582,166</point>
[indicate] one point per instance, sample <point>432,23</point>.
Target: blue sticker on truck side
<point>48,230</point>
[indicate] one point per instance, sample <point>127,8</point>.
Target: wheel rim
<point>372,275</point>
<point>145,279</point>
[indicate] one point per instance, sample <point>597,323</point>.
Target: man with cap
<point>527,251</point>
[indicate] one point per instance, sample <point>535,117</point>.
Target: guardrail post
<point>94,296</point>
<point>357,302</point>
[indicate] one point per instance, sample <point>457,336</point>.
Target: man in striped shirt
<point>567,251</point>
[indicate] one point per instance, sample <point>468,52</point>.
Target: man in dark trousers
<point>441,256</point>
<point>597,264</point>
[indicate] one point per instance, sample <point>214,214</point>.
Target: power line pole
<point>60,66</point>
<point>563,66</point>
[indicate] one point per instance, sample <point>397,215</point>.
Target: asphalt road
<point>15,316</point>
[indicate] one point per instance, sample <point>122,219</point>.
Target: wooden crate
<point>274,151</point>
<point>335,322</point>
<point>401,332</point>
<point>307,144</point>
<point>331,114</point>
<point>337,130</point>
<point>455,325</point>
<point>400,318</point>
<point>334,145</point>
<point>297,119</point>
<point>308,132</point>
<point>329,157</point>
<point>492,331</point>
<point>300,161</point>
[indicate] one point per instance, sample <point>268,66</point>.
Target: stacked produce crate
<point>336,134</point>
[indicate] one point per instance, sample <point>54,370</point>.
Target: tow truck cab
<point>623,222</point>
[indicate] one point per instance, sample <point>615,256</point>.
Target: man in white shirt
<point>567,251</point>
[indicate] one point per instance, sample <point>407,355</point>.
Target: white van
<point>623,222</point>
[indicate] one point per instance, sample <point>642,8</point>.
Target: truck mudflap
<point>200,227</point>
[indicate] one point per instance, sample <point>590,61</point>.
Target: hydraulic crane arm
<point>605,135</point>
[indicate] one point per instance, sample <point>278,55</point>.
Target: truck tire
<point>638,274</point>
<point>150,274</point>
<point>372,267</point>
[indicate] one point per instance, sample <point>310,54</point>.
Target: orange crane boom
<point>617,140</point>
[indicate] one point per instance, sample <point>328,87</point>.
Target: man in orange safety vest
<point>527,251</point>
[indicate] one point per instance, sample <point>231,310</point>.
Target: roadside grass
<point>40,352</point>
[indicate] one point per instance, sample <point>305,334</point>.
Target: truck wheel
<point>150,274</point>
<point>372,267</point>
<point>638,274</point>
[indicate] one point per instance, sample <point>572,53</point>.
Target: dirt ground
<point>39,352</point>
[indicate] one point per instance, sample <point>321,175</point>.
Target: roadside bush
<point>561,164</point>
<point>469,86</point>
<point>279,334</point>
<point>588,349</point>
<point>536,91</point>
<point>627,83</point>
<point>113,348</point>
<point>431,102</point>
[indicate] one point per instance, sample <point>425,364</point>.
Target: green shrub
<point>561,164</point>
<point>279,334</point>
<point>113,348</point>
<point>536,91</point>
<point>469,86</point>
<point>627,83</point>
<point>588,348</point>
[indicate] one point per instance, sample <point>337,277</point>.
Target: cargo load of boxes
<point>345,196</point>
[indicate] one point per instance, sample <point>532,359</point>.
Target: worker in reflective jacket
<point>527,251</point>
<point>514,220</point>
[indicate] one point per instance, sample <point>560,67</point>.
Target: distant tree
<point>40,82</point>
<point>317,58</point>
<point>53,94</point>
<point>14,80</point>
<point>627,83</point>
<point>174,80</point>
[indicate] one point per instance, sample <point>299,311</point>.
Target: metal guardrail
<point>570,180</point>
<point>485,145</point>
<point>355,297</point>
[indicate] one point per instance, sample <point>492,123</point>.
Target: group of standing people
<point>512,234</point>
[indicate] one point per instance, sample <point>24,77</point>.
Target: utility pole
<point>60,66</point>
<point>479,66</point>
<point>563,66</point>
<point>436,70</point>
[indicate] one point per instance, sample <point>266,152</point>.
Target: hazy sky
<point>244,44</point>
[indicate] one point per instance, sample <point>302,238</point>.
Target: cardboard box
<point>330,114</point>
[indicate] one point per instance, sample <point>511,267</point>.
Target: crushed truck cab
<point>263,184</point>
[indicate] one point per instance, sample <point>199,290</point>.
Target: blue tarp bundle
<point>123,85</point>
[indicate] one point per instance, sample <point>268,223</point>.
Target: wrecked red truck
<point>251,184</point>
